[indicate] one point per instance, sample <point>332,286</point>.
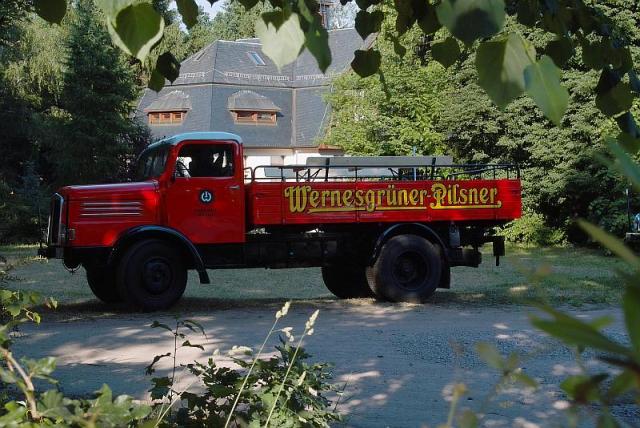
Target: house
<point>233,86</point>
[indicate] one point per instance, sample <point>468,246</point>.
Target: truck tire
<point>152,275</point>
<point>346,281</point>
<point>408,270</point>
<point>102,282</point>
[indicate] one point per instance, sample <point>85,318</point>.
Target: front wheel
<point>408,269</point>
<point>102,282</point>
<point>152,275</point>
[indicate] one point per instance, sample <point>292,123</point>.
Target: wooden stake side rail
<point>408,172</point>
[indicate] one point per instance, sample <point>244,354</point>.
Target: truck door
<point>205,197</point>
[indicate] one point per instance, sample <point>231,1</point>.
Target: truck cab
<point>193,205</point>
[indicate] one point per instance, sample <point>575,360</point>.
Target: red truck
<point>376,227</point>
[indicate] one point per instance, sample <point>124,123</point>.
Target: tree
<point>97,132</point>
<point>233,22</point>
<point>392,113</point>
<point>562,176</point>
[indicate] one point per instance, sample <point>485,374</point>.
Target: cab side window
<point>205,160</point>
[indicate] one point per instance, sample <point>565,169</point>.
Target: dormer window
<point>251,108</point>
<point>255,117</point>
<point>167,117</point>
<point>256,58</point>
<point>169,109</point>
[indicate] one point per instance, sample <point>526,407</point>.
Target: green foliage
<point>50,407</point>
<point>282,390</point>
<point>95,135</point>
<point>532,229</point>
<point>393,113</point>
<point>562,178</point>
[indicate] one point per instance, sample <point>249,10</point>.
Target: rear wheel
<point>346,281</point>
<point>408,269</point>
<point>152,275</point>
<point>102,282</point>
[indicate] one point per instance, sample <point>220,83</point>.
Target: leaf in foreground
<point>51,10</point>
<point>501,64</point>
<point>136,29</point>
<point>366,63</point>
<point>282,40</point>
<point>446,52</point>
<point>189,11</point>
<point>470,20</point>
<point>542,83</point>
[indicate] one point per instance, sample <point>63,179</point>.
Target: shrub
<point>532,229</point>
<point>283,390</point>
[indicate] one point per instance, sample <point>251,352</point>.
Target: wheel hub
<point>157,275</point>
<point>409,270</point>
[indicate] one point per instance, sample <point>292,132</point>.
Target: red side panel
<point>383,201</point>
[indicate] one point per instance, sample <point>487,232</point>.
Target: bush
<point>532,229</point>
<point>283,390</point>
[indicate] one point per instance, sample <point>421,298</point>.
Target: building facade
<point>233,86</point>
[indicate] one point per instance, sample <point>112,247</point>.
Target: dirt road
<point>398,361</point>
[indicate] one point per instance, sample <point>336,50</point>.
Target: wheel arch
<point>136,234</point>
<point>408,228</point>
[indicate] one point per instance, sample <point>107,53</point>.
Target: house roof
<point>172,101</point>
<point>249,100</point>
<point>226,75</point>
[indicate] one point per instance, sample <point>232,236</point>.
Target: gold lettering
<point>359,198</point>
<point>413,196</point>
<point>439,192</point>
<point>403,197</point>
<point>392,196</point>
<point>347,198</point>
<point>484,195</point>
<point>297,198</point>
<point>423,195</point>
<point>370,197</point>
<point>325,195</point>
<point>335,198</point>
<point>314,197</point>
<point>492,196</point>
<point>464,195</point>
<point>473,196</point>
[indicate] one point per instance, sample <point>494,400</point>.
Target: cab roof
<point>213,136</point>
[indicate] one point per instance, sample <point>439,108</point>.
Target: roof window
<point>256,58</point>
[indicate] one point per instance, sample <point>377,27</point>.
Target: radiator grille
<point>55,218</point>
<point>111,209</point>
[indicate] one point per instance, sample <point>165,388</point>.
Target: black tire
<point>346,281</point>
<point>102,282</point>
<point>152,275</point>
<point>408,269</point>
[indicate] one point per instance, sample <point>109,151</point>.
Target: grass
<point>566,276</point>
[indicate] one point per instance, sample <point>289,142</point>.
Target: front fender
<point>135,234</point>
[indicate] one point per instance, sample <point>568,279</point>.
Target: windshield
<point>151,163</point>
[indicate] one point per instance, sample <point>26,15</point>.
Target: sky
<point>207,6</point>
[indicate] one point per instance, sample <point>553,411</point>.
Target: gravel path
<point>398,361</point>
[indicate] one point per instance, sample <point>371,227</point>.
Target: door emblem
<point>206,196</point>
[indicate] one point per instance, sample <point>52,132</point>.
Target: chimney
<point>326,11</point>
